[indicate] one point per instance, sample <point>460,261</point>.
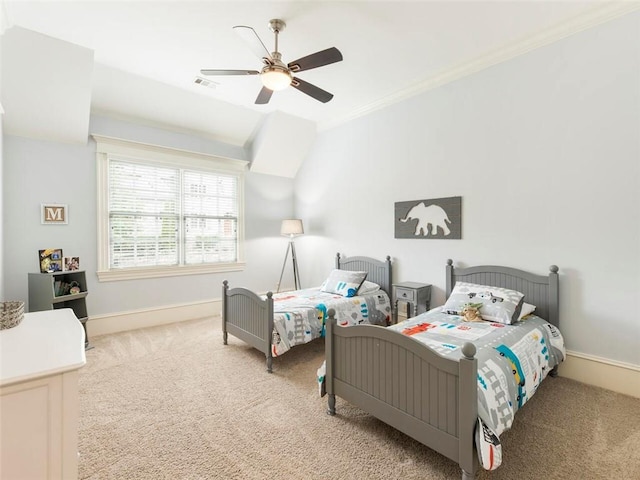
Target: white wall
<point>36,172</point>
<point>545,152</point>
<point>2,296</point>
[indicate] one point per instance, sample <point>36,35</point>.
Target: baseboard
<point>122,321</point>
<point>601,372</point>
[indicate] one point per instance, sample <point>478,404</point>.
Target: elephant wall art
<point>435,218</point>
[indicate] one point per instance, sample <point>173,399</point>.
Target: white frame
<point>108,147</point>
<point>44,207</point>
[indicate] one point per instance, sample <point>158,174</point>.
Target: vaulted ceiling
<point>141,60</point>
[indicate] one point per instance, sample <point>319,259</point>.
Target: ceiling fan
<point>275,75</point>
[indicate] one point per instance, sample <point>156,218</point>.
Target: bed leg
<point>554,372</point>
<point>223,313</point>
<point>332,404</point>
<point>269,364</point>
<point>467,476</point>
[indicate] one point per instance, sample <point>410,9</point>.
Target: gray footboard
<point>406,385</point>
<point>248,317</point>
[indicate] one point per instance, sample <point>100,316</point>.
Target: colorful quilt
<point>299,316</point>
<point>512,361</point>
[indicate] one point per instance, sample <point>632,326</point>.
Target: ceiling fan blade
<point>229,72</point>
<point>252,40</point>
<point>264,96</point>
<point>318,59</point>
<point>311,90</point>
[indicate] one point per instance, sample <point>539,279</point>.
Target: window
<point>166,212</point>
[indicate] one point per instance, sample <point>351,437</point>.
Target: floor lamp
<point>291,228</point>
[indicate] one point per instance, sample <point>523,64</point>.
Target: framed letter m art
<point>435,218</point>
<point>52,213</point>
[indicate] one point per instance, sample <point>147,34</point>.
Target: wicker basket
<point>12,314</point>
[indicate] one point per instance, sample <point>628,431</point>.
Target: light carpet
<point>173,402</point>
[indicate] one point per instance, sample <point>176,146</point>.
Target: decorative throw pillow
<point>368,287</point>
<point>343,282</point>
<point>498,304</point>
<point>527,308</point>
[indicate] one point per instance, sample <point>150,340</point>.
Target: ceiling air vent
<point>205,83</point>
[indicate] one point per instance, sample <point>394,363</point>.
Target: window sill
<point>158,272</point>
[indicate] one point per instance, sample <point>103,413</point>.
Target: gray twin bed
<point>250,317</point>
<point>391,376</point>
<point>409,386</point>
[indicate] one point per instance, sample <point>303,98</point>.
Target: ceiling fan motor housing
<point>275,75</point>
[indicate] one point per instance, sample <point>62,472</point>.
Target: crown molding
<point>594,17</point>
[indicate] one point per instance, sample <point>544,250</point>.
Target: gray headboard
<point>378,271</point>
<point>539,290</point>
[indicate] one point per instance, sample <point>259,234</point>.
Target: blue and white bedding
<point>512,361</point>
<point>299,316</point>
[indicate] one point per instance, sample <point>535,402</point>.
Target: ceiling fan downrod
<point>276,26</point>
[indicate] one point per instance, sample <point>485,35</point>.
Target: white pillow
<point>527,308</point>
<point>368,287</point>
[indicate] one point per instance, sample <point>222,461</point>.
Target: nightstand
<point>416,295</point>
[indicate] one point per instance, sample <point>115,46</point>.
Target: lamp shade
<point>292,227</point>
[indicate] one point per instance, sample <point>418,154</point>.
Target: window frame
<point>108,148</point>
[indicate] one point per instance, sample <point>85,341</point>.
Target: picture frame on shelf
<point>50,260</point>
<point>71,263</point>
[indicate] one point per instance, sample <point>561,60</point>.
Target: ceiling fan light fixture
<point>275,78</point>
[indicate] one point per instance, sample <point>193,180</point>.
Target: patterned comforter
<point>299,316</point>
<point>512,360</point>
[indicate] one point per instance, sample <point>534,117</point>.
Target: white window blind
<point>210,209</point>
<point>144,215</point>
<point>162,216</point>
<point>164,211</point>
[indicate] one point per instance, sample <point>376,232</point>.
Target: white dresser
<point>39,363</point>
